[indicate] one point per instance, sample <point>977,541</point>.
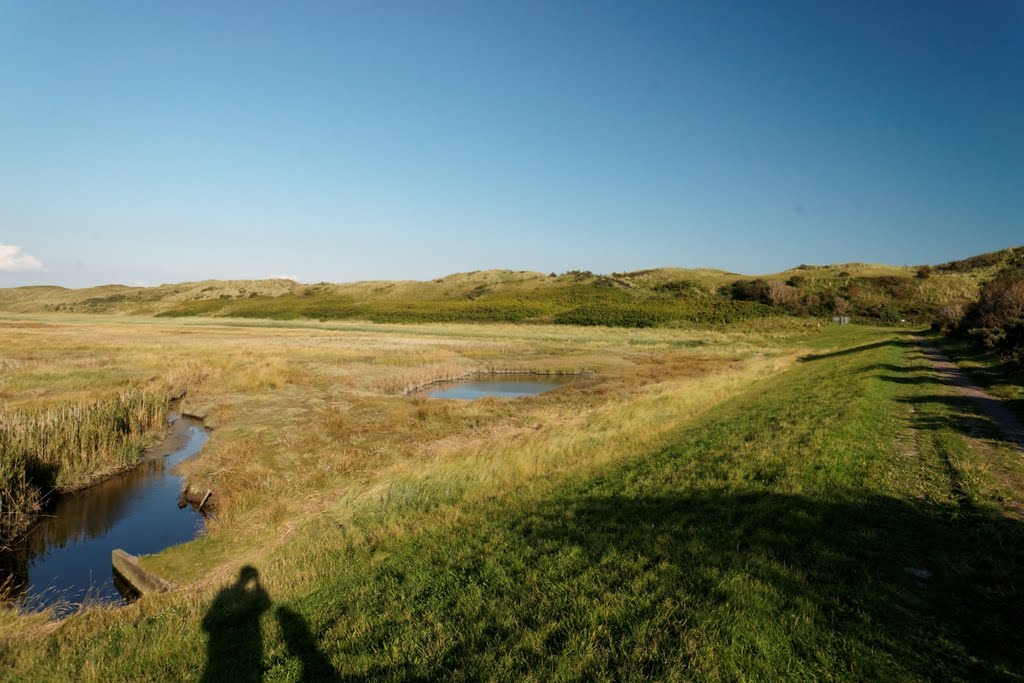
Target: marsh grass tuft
<point>69,447</point>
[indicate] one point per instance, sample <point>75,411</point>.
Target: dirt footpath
<point>1001,416</point>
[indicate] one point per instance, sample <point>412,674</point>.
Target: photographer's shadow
<point>235,639</point>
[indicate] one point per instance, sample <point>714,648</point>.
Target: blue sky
<point>149,142</point>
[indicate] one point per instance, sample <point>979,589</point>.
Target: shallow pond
<point>66,557</point>
<point>502,386</point>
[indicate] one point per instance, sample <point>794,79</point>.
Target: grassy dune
<point>648,298</point>
<point>765,500</point>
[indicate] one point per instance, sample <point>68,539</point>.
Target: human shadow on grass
<point>235,639</point>
<point>770,585</point>
<point>303,645</point>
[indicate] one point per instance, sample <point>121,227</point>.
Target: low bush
<point>974,262</point>
<point>796,281</point>
<point>996,320</point>
<point>679,287</point>
<point>948,318</point>
<point>751,290</point>
<point>653,313</point>
<point>612,316</point>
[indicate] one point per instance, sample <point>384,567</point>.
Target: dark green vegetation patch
<point>594,302</point>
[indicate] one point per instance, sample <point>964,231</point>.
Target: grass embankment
<point>838,519</point>
<point>66,448</point>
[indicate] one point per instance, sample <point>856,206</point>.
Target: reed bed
<point>65,448</point>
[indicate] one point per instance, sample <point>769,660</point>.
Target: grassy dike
<point>832,517</point>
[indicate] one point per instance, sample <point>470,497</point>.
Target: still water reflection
<point>502,386</point>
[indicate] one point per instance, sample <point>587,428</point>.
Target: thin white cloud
<point>284,277</point>
<point>14,259</point>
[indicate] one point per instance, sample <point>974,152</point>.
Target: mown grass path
<point>840,520</point>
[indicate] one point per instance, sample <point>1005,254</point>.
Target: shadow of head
<point>248,574</point>
<point>240,604</point>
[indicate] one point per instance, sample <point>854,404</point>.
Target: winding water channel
<point>65,558</point>
<point>64,561</point>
